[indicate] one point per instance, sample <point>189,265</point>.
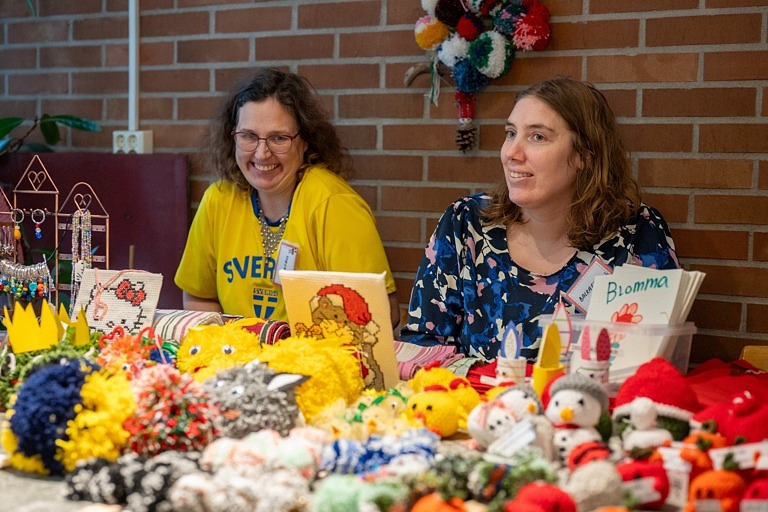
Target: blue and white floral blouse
<point>467,288</point>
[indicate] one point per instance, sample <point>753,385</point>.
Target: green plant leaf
<point>7,124</point>
<point>31,7</point>
<point>78,123</point>
<point>50,130</point>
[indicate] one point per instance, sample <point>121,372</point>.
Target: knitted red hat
<point>744,415</point>
<point>664,385</point>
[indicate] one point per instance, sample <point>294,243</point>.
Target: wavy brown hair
<point>298,96</point>
<point>606,194</point>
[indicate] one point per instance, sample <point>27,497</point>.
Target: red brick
<point>708,346</point>
<point>735,3</point>
<point>623,102</point>
<point>757,318</point>
<point>70,56</point>
<point>489,136</point>
<point>419,199</point>
<point>89,109</point>
<point>198,107</point>
<point>372,43</point>
<point>212,50</point>
<point>36,32</point>
<point>14,10</point>
<point>748,65</point>
<point>341,76</point>
<point>388,167</point>
<point>57,8</point>
<point>319,46</point>
<point>700,30</point>
<point>178,136</point>
<point>657,137</point>
<point>404,13</point>
<point>760,248</point>
<point>399,229</point>
<point>404,287</point>
<point>700,173</point>
<point>156,54</point>
<point>100,82</point>
<point>709,102</point>
<point>762,180</point>
<point>722,209</point>
<point>491,104</point>
<point>735,281</point>
<point>733,138</point>
<point>404,259</point>
<point>253,19</point>
<point>528,68</point>
<point>116,55</point>
<point>565,7</point>
<point>381,106</point>
<point>594,34</point>
<point>17,108</point>
<point>660,67</point>
<point>765,103</point>
<point>674,207</point>
<point>610,6</point>
<point>175,80</point>
<point>368,193</point>
<point>419,137</point>
<point>18,58</point>
<point>716,314</point>
<point>711,244</point>
<point>48,83</point>
<point>100,28</point>
<point>457,169</point>
<point>335,15</point>
<point>357,137</point>
<point>89,140</point>
<point>160,109</point>
<point>395,75</point>
<point>175,24</point>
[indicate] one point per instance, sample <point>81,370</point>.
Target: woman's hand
<point>199,304</point>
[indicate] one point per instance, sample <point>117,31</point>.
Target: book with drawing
<point>355,305</point>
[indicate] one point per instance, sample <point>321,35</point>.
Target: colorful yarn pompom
<point>453,50</point>
<point>172,413</point>
<point>505,19</point>
<point>429,6</point>
<point>430,32</point>
<point>206,349</point>
<point>469,26</point>
<point>346,493</point>
<point>468,78</point>
<point>491,54</point>
<point>484,6</point>
<point>532,31</point>
<point>449,11</point>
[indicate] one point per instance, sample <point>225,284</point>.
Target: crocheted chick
<point>431,374</point>
<point>207,349</point>
<point>575,406</point>
<point>332,364</point>
<point>65,413</point>
<point>254,397</point>
<point>436,409</point>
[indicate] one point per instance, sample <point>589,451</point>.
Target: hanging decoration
<point>477,40</point>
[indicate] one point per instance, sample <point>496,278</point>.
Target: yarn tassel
<point>434,74</point>
<point>466,134</point>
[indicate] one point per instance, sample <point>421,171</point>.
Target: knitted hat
<point>584,384</point>
<point>664,385</point>
<point>744,415</point>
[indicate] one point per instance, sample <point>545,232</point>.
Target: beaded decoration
<point>7,242</point>
<point>271,239</point>
<point>38,217</point>
<point>25,282</point>
<point>82,257</point>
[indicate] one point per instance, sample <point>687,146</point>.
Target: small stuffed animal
<point>522,400</point>
<point>489,421</point>
<point>596,484</point>
<point>642,431</point>
<point>722,485</point>
<point>646,480</point>
<point>547,497</point>
<point>743,416</point>
<point>594,367</point>
<point>436,409</point>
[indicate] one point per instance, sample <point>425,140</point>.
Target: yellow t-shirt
<point>333,227</point>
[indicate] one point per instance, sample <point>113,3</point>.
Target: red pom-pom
<point>469,26</point>
<point>532,31</point>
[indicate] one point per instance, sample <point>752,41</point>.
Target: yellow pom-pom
<point>430,32</point>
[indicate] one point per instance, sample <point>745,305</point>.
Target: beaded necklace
<point>269,239</point>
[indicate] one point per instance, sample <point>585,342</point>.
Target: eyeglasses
<point>249,141</point>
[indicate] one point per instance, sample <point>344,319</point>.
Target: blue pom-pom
<point>505,19</point>
<point>45,403</point>
<point>468,78</point>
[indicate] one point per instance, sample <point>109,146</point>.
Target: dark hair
<point>298,96</point>
<point>606,194</point>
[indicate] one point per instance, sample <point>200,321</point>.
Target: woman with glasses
<point>567,209</point>
<point>281,201</point>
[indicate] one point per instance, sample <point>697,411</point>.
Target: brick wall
<point>688,79</point>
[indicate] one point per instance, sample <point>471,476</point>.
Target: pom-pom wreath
<point>532,32</point>
<point>469,26</point>
<point>429,6</point>
<point>491,54</point>
<point>483,6</point>
<point>253,397</point>
<point>45,403</point>
<point>331,362</point>
<point>468,78</point>
<point>449,11</point>
<point>172,413</point>
<point>505,19</point>
<point>453,50</point>
<point>430,32</point>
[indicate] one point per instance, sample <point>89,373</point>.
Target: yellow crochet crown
<point>82,331</point>
<point>24,332</point>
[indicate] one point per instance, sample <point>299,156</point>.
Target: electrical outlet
<point>132,141</point>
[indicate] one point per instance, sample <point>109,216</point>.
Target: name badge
<point>286,258</point>
<point>581,291</point>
